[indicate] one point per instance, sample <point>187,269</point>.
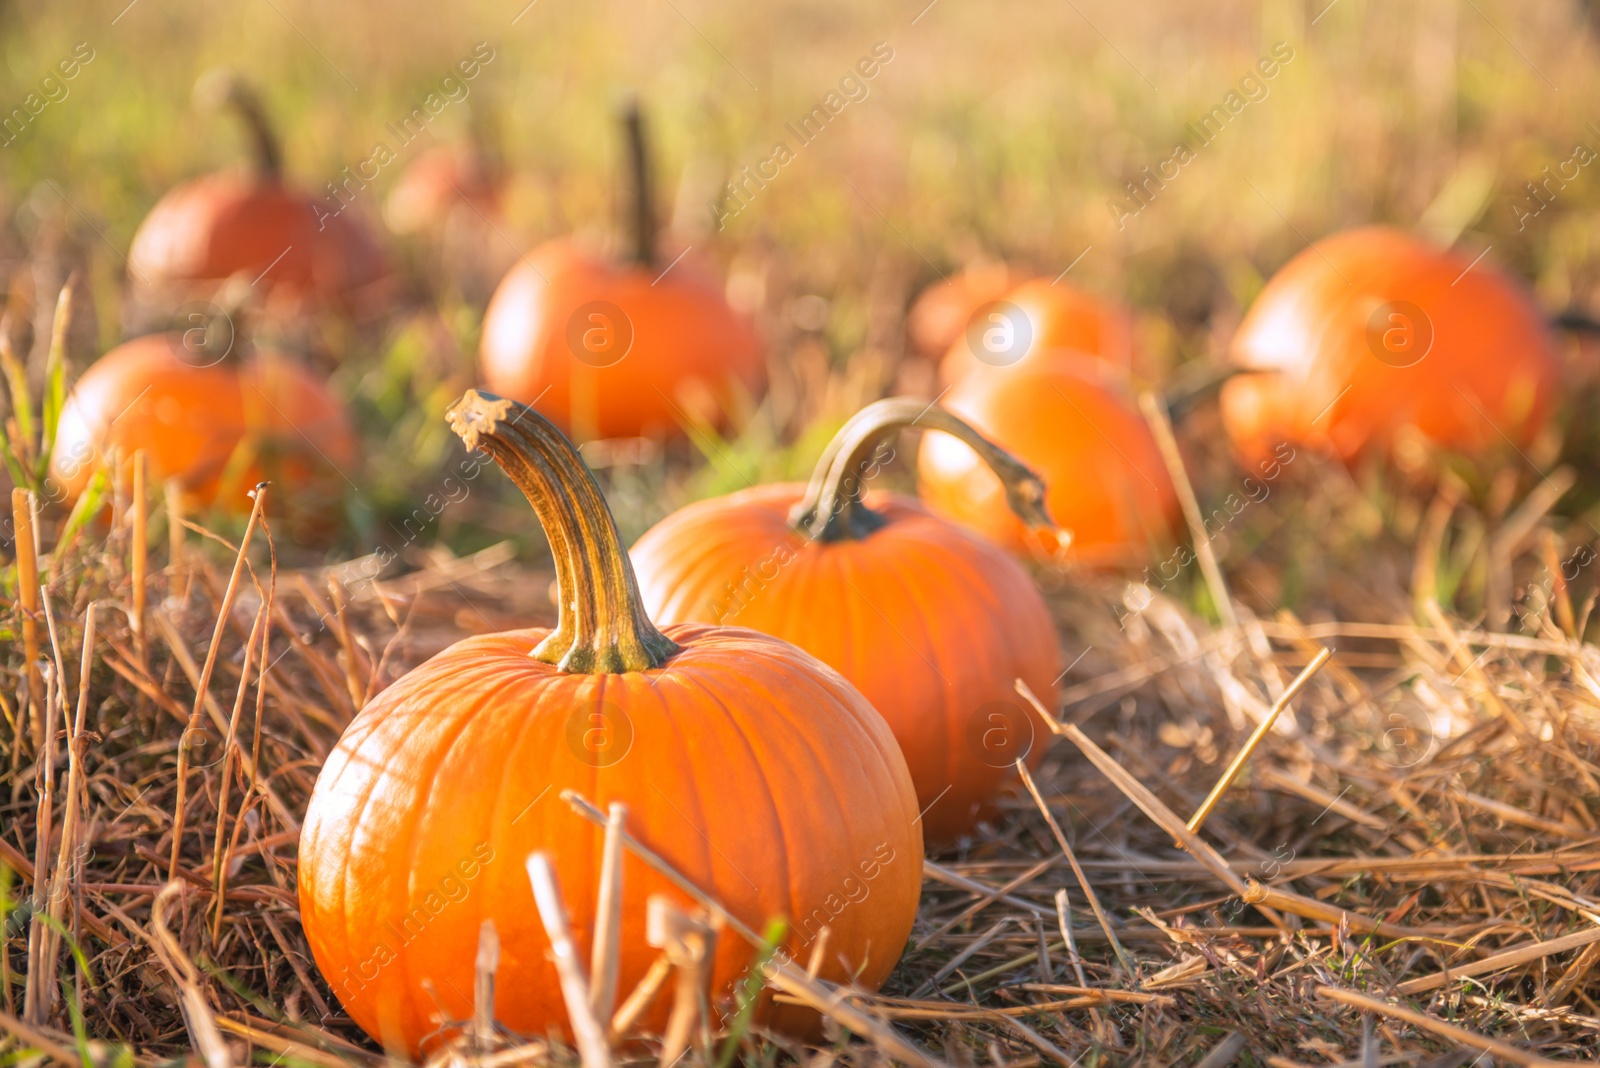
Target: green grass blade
<point>21,400</point>
<point>749,992</point>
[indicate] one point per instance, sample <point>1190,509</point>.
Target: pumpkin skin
<point>1312,338</point>
<point>1107,484</point>
<point>930,622</point>
<point>232,222</point>
<point>1062,320</point>
<point>1256,409</point>
<point>756,771</point>
<point>691,356</point>
<point>941,311</point>
<point>194,418</point>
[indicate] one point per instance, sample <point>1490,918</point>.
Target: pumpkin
<point>941,312</point>
<point>449,201</point>
<point>1041,320</point>
<point>1068,420</point>
<point>439,183</point>
<point>215,424</point>
<point>757,771</point>
<point>1374,333</point>
<point>299,248</point>
<point>607,349</point>
<point>933,624</point>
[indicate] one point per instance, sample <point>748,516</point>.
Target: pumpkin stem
<point>832,510</point>
<point>224,88</point>
<point>643,217</point>
<point>602,627</point>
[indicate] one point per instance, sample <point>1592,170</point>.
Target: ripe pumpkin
<point>217,424</point>
<point>1108,486</point>
<point>297,247</point>
<point>1373,330</point>
<point>609,349</point>
<point>1041,320</point>
<point>930,622</point>
<point>754,769</point>
<point>439,183</point>
<point>941,312</point>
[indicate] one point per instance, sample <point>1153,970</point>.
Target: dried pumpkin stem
<point>266,155</point>
<point>832,509</point>
<point>602,627</point>
<point>642,221</point>
<point>223,88</point>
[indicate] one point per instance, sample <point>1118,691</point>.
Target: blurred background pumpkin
<point>1067,417</point>
<point>301,249</point>
<point>449,200</point>
<point>1374,333</point>
<point>628,347</point>
<point>1041,320</point>
<point>214,416</point>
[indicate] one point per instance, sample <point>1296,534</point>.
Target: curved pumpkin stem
<point>642,223</point>
<point>223,88</point>
<point>602,627</point>
<point>832,508</point>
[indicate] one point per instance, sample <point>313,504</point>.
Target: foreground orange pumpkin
<point>754,769</point>
<point>295,246</point>
<point>1041,321</point>
<point>931,623</point>
<point>618,349</point>
<point>1108,486</point>
<point>1373,332</point>
<point>214,423</point>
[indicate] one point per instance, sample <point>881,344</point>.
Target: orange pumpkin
<point>1109,488</point>
<point>297,247</point>
<point>618,349</point>
<point>440,182</point>
<point>215,423</point>
<point>754,769</point>
<point>1372,331</point>
<point>1041,320</point>
<point>931,623</point>
<point>941,312</point>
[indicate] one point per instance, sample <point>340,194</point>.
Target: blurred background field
<point>1004,133</point>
